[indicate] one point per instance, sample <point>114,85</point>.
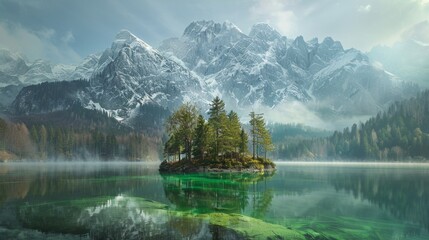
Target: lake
<point>133,201</point>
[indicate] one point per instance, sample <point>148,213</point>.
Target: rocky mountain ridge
<point>210,59</point>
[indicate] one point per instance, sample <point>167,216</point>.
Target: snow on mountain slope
<point>130,80</point>
<point>408,59</point>
<point>16,70</point>
<point>242,69</point>
<point>86,68</point>
<point>266,68</point>
<point>131,74</point>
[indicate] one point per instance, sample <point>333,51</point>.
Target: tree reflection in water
<point>403,193</point>
<point>223,192</point>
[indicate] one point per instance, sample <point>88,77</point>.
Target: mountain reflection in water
<point>134,201</point>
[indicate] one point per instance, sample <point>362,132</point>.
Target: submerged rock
<point>124,217</point>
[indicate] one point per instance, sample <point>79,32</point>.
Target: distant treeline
<point>397,134</point>
<point>93,136</point>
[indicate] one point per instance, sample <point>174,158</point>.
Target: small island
<point>219,144</point>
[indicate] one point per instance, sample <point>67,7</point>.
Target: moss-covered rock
<point>251,228</point>
<point>243,164</point>
<point>136,218</point>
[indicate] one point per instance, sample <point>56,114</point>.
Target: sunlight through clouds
<point>364,8</point>
<point>274,12</point>
<point>37,45</point>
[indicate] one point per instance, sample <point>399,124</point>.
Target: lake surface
<point>133,201</point>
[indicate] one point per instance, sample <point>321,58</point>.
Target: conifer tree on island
<point>218,143</point>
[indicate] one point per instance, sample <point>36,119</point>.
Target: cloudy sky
<point>66,31</point>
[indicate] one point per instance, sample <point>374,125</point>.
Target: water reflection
<point>225,192</point>
<point>33,182</point>
<point>99,201</point>
<point>402,192</point>
<point>120,217</point>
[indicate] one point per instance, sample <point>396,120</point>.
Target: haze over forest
<point>108,90</point>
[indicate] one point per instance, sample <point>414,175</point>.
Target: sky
<point>65,31</point>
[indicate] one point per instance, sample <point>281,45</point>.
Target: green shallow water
<point>133,201</point>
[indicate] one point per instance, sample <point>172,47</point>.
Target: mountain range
<point>407,59</point>
<point>132,80</point>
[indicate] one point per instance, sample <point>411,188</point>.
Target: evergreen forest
<point>400,133</point>
<point>77,134</point>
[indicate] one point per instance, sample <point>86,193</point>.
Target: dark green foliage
<point>261,138</point>
<point>201,139</point>
<point>244,140</point>
<point>233,134</point>
<point>150,118</point>
<point>218,122</point>
<point>181,126</point>
<point>221,142</point>
<point>49,96</point>
<point>3,127</point>
<point>399,133</point>
<point>75,117</point>
<point>67,143</point>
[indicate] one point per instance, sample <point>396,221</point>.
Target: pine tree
<point>267,144</point>
<point>233,133</point>
<point>261,137</point>
<point>217,120</point>
<point>181,126</point>
<point>3,126</point>
<point>244,139</point>
<point>201,139</point>
<point>255,120</point>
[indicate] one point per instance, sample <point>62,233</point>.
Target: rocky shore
<point>183,166</point>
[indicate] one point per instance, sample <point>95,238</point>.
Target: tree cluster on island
<point>218,143</point>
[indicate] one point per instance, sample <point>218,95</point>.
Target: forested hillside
<point>77,133</point>
<point>399,133</point>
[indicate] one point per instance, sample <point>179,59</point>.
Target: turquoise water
<point>133,201</point>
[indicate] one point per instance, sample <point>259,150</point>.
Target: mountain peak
<point>230,26</point>
<point>125,35</point>
<point>300,43</point>
<point>328,42</point>
<point>209,28</point>
<point>262,27</point>
<point>264,31</point>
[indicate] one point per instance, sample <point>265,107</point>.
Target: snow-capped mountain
<point>242,69</point>
<point>408,59</point>
<point>262,68</point>
<point>266,68</point>
<point>131,74</point>
<point>124,80</point>
<point>85,69</point>
<point>17,70</point>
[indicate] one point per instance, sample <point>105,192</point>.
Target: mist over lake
<point>353,201</point>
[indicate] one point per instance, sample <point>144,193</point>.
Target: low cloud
<point>275,13</point>
<point>364,8</point>
<point>295,112</point>
<point>38,45</point>
<point>356,23</point>
<point>418,32</point>
<point>68,38</point>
